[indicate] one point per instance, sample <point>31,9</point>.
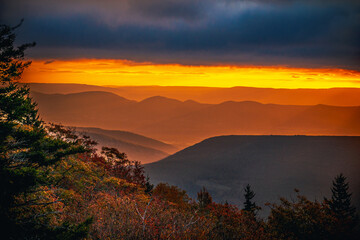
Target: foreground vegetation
<point>55,185</point>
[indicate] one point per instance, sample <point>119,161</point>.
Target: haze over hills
<point>333,96</point>
<point>133,151</point>
<point>136,147</point>
<point>255,119</point>
<point>67,88</point>
<point>184,123</point>
<point>130,138</point>
<point>109,111</point>
<point>272,165</point>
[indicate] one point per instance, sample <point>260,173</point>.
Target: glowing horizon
<point>128,73</point>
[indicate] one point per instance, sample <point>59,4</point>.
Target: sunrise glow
<point>124,73</point>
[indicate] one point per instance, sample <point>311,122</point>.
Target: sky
<point>128,73</point>
<point>197,36</point>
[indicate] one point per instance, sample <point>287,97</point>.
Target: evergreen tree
<point>300,219</point>
<point>340,205</point>
<point>249,206</point>
<point>204,198</point>
<point>27,152</point>
<point>340,202</point>
<point>148,186</point>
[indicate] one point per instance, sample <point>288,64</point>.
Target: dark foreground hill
<point>272,165</point>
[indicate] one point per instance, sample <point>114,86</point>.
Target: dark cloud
<point>112,12</point>
<point>185,9</point>
<point>303,33</point>
<point>49,62</point>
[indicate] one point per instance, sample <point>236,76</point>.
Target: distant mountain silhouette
<point>67,88</point>
<point>333,96</point>
<point>184,123</point>
<point>133,151</point>
<point>255,118</point>
<point>272,165</point>
<point>130,138</point>
<point>136,147</point>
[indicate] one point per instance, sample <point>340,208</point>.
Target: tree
<point>121,167</point>
<point>171,194</point>
<point>249,206</point>
<point>340,202</point>
<point>340,205</point>
<point>204,198</point>
<point>148,186</point>
<point>231,223</point>
<point>27,153</point>
<point>300,219</point>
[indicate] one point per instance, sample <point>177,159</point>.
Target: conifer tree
<point>148,186</point>
<point>27,151</point>
<point>249,206</point>
<point>345,213</point>
<point>340,202</point>
<point>204,198</point>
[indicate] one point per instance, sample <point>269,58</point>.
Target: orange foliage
<point>111,189</point>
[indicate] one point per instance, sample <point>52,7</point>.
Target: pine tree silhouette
<point>340,202</point>
<point>204,198</point>
<point>27,152</point>
<point>249,206</point>
<point>345,213</point>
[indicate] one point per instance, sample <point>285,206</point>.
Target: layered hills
<point>130,138</point>
<point>272,165</point>
<point>186,122</point>
<point>332,96</point>
<point>136,147</point>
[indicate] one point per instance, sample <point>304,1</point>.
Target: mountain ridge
<point>184,123</point>
<point>130,138</point>
<point>331,96</point>
<point>272,164</point>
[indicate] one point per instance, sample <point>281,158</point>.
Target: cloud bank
<point>251,32</point>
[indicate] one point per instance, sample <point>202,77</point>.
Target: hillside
<point>332,96</point>
<point>252,118</point>
<point>272,165</point>
<point>130,137</point>
<point>133,151</point>
<point>185,123</point>
<point>110,111</point>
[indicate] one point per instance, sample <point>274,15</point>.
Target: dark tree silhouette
<point>300,218</point>
<point>204,198</point>
<point>340,202</point>
<point>340,205</point>
<point>249,205</point>
<point>26,152</point>
<point>148,186</point>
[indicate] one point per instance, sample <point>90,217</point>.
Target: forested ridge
<point>55,185</point>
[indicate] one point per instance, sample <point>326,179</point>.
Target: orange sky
<point>122,72</point>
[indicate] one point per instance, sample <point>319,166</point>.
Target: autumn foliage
<point>56,185</point>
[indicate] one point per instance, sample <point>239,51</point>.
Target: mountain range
<point>136,147</point>
<point>183,123</point>
<point>213,95</point>
<point>130,138</point>
<point>272,165</point>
